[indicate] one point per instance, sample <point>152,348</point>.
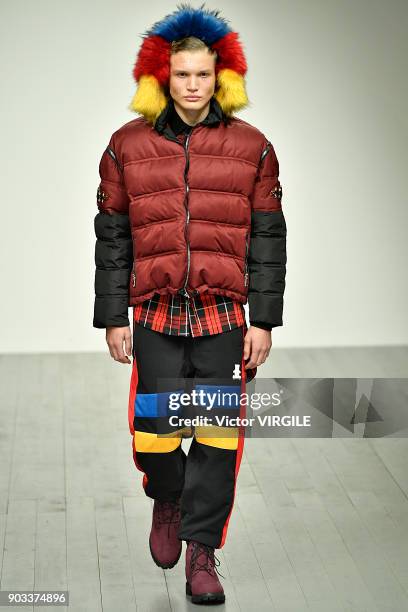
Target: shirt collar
<point>177,124</point>
<point>169,118</point>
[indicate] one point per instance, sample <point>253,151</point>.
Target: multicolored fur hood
<point>152,68</point>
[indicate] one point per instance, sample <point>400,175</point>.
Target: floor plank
<point>318,523</point>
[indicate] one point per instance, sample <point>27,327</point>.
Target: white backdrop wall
<point>327,84</point>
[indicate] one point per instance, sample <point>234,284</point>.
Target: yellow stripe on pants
<point>220,437</point>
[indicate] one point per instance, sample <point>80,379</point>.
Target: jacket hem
<point>133,300</point>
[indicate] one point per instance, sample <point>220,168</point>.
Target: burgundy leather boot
<point>165,547</point>
<point>202,583</point>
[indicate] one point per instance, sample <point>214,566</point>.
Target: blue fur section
<point>188,21</point>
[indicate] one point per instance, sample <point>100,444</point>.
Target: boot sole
<point>164,565</point>
<point>205,598</point>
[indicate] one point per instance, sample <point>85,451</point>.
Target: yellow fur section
<point>149,99</point>
<point>231,94</point>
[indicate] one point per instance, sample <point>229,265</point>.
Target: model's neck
<point>192,117</point>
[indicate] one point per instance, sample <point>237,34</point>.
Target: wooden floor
<point>318,524</point>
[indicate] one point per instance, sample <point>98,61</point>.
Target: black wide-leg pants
<point>164,367</point>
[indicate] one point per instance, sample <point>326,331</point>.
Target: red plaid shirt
<point>203,315</point>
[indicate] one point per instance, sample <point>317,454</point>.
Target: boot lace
<point>211,561</point>
<point>167,513</point>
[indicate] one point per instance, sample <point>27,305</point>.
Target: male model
<point>190,226</point>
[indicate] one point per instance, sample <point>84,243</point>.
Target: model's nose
<point>192,85</point>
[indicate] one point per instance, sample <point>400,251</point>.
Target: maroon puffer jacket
<point>198,213</point>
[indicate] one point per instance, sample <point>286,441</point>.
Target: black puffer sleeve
<point>267,249</point>
<point>113,248</point>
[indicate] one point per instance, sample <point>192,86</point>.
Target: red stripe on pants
<point>131,411</point>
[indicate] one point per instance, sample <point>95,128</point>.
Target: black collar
<point>170,123</point>
<point>177,124</point>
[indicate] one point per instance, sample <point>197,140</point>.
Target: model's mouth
<point>192,98</point>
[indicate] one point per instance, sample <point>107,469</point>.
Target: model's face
<point>192,74</point>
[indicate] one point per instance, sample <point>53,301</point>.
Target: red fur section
<point>230,54</point>
<point>153,58</point>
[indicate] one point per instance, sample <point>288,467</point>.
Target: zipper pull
<point>133,279</point>
<point>246,274</point>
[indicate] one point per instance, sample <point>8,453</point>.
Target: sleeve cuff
<point>262,325</point>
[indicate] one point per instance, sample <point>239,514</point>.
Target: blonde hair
<point>191,43</point>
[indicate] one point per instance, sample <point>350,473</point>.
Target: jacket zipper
<point>265,152</point>
<point>187,189</point>
<point>133,275</point>
<point>115,159</point>
<point>246,273</point>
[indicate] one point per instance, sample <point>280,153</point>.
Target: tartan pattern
<point>203,315</point>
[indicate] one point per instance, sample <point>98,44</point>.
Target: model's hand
<point>257,344</point>
<point>115,337</point>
